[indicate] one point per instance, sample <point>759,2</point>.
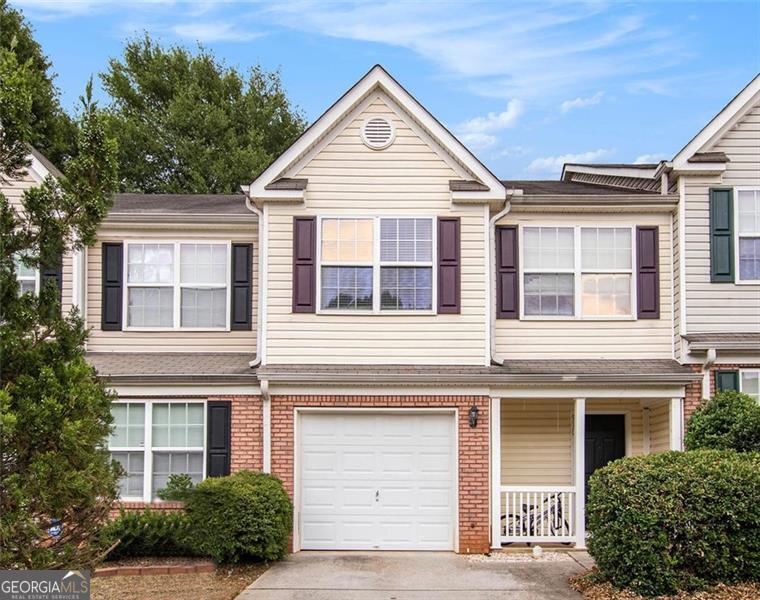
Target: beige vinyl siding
<point>166,341</point>
<point>537,437</point>
<point>584,338</point>
<point>407,179</point>
<point>721,306</point>
<point>13,190</point>
<point>659,428</point>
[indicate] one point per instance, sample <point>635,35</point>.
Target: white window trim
<point>175,285</point>
<point>376,263</point>
<point>147,448</point>
<point>577,271</point>
<point>737,269</point>
<point>741,378</point>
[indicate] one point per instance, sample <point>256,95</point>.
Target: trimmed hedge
<point>728,421</point>
<point>147,533</point>
<point>245,516</point>
<point>675,521</point>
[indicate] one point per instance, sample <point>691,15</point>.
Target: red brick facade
<point>694,390</point>
<point>247,433</point>
<point>473,451</point>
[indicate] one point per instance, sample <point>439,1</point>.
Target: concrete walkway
<point>412,576</point>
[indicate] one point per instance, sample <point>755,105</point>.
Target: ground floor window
<point>749,383</point>
<point>153,440</point>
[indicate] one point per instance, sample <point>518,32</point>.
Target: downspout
<point>266,400</point>
<point>712,354</point>
<point>492,276</point>
<point>261,279</point>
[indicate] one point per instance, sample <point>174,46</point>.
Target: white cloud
<point>477,141</point>
<point>494,121</point>
<point>553,164</point>
<point>502,50</point>
<point>214,31</point>
<point>579,102</point>
<point>650,158</point>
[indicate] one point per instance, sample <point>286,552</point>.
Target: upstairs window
<point>578,272</point>
<point>376,264</point>
<point>177,285</point>
<point>748,247</point>
<point>28,277</point>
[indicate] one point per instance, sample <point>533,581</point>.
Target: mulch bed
<point>593,590</point>
<point>225,583</point>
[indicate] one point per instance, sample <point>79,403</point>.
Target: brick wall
<point>474,531</point>
<point>247,433</point>
<point>694,390</point>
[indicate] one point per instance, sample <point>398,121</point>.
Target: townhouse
<point>429,357</point>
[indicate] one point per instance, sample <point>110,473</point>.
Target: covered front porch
<point>544,448</point>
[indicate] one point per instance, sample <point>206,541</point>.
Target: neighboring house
<point>430,358</point>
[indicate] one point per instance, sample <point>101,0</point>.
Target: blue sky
<point>526,85</point>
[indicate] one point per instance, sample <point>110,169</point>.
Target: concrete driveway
<point>413,576</point>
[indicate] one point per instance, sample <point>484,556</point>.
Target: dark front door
<point>605,441</point>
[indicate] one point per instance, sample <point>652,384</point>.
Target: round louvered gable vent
<point>377,133</point>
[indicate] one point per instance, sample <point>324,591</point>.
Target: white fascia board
<point>687,168</point>
<point>723,121</point>
<point>376,77</point>
<point>613,171</point>
<point>37,169</point>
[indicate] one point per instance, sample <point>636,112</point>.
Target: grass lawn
<point>224,584</point>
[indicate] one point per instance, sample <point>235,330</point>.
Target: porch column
<point>676,423</point>
<point>495,472</point>
<point>579,471</point>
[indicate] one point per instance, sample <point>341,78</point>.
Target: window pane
<point>406,288</point>
<point>22,271</point>
<point>406,240</point>
<point>750,384</point>
<point>346,288</point>
<point>749,259</point>
<point>131,484</point>
<point>174,463</point>
<point>749,211</point>
<point>203,263</point>
<point>549,294</point>
<point>128,425</point>
<point>150,307</point>
<point>548,247</point>
<point>150,263</point>
<point>605,248</point>
<point>606,295</point>
<point>347,239</point>
<point>177,424</point>
<point>203,307</point>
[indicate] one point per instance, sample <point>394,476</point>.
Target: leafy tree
<point>728,421</point>
<point>52,132</point>
<point>54,411</point>
<point>188,123</point>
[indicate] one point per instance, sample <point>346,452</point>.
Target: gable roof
<point>377,78</point>
<point>720,123</point>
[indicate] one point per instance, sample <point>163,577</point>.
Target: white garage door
<point>376,481</point>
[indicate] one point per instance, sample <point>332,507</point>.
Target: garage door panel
<point>377,481</point>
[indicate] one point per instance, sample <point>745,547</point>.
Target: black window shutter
<point>54,272</point>
<point>304,264</point>
<point>721,235</point>
<point>112,286</point>
<point>648,272</point>
<point>507,273</point>
<point>242,289</point>
<point>449,266</point>
<point>726,380</point>
<point>219,416</point>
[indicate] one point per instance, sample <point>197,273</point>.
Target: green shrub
<point>178,488</point>
<point>147,533</point>
<point>245,516</point>
<point>676,521</point>
<point>728,421</point>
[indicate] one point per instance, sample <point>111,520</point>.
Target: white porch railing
<point>537,514</point>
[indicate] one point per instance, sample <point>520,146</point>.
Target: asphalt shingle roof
<point>570,188</point>
<point>229,204</point>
